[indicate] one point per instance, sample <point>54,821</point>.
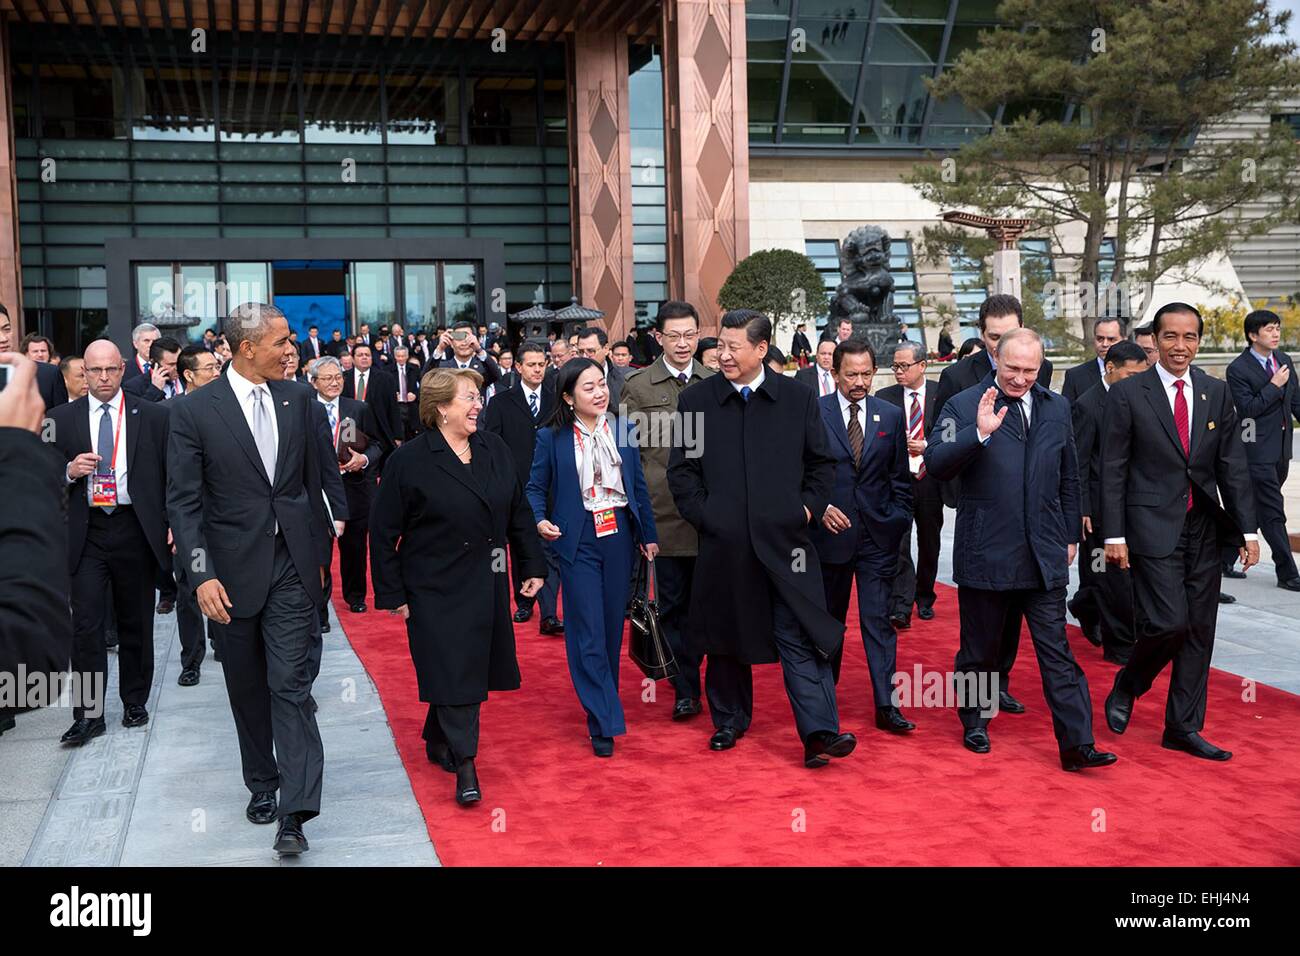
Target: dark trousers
<point>550,590</point>
<point>1271,514</point>
<point>1105,595</point>
<point>1177,601</point>
<point>116,557</point>
<point>166,584</point>
<point>673,577</point>
<point>809,682</point>
<point>352,550</point>
<point>874,571</point>
<point>269,660</point>
<point>409,412</point>
<point>597,583</point>
<point>914,582</point>
<point>1009,639</point>
<point>189,620</point>
<point>983,614</point>
<point>455,725</point>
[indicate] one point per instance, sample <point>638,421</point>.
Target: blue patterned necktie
<point>333,421</point>
<point>745,392</point>
<point>532,403</point>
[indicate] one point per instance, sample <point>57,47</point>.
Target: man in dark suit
<point>377,389</point>
<point>1264,387</point>
<point>163,381</point>
<point>49,380</point>
<point>998,315</point>
<point>406,375</point>
<point>1160,516</point>
<point>115,446</point>
<point>351,424</point>
<point>1018,521</point>
<point>245,485</point>
<point>800,348</point>
<point>651,395</point>
<point>751,492</point>
<point>858,536</point>
<point>1104,602</point>
<point>506,360</point>
<point>143,337</point>
<point>820,376</point>
<point>516,415</point>
<point>459,348</point>
<point>914,582</point>
<point>35,627</point>
<point>1105,333</point>
<point>311,347</point>
<point>593,343</point>
<point>335,346</point>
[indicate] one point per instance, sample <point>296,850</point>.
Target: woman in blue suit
<point>590,501</point>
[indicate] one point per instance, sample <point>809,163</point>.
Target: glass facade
<point>649,187</point>
<point>851,73</point>
<point>128,134</point>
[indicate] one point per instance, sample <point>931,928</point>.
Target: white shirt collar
<point>1105,384</point>
<point>845,403</point>
<point>114,403</point>
<point>674,371</point>
<point>241,386</point>
<point>1168,378</point>
<point>920,392</point>
<point>753,386</point>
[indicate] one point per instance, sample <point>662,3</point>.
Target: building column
<point>11,281</point>
<point>600,168</point>
<point>707,148</point>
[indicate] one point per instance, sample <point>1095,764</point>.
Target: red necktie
<point>1272,364</point>
<point>916,429</point>
<point>1184,430</point>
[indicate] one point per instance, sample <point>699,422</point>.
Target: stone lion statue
<point>866,295</point>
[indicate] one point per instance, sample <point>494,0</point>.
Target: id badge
<point>606,522</point>
<point>103,490</point>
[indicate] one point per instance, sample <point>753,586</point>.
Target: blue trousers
<point>596,589</point>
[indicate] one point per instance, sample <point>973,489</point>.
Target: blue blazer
<point>554,494</point>
<point>877,494</point>
<point>1018,506</point>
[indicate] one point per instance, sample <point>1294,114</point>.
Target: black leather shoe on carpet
<point>976,741</point>
<point>1085,757</point>
<point>822,744</point>
<point>725,738</point>
<point>1009,704</point>
<point>686,708</point>
<point>1194,744</point>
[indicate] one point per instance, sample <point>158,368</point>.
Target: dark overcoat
<point>438,535</point>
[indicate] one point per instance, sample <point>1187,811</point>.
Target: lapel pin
<point>1203,398</point>
<point>1211,426</point>
<point>875,418</point>
<point>285,404</point>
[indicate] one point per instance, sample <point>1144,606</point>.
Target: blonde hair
<point>439,386</point>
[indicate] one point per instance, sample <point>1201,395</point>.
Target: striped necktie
<point>916,428</point>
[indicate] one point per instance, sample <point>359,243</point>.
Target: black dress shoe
<point>890,719</point>
<point>1226,598</point>
<point>357,608</point>
<point>1233,573</point>
<point>976,741</point>
<point>551,626</point>
<point>1119,706</point>
<point>1009,704</point>
<point>725,738</point>
<point>602,746</point>
<point>1193,744</point>
<point>1292,585</point>
<point>925,613</point>
<point>523,614</point>
<point>441,755</point>
<point>165,606</point>
<point>82,730</point>
<point>822,744</point>
<point>686,708</point>
<point>262,807</point>
<point>289,838</point>
<point>189,677</point>
<point>467,789</point>
<point>1084,757</point>
<point>134,715</point>
<point>900,622</point>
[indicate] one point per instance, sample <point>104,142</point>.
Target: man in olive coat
<point>650,402</point>
<point>761,474</point>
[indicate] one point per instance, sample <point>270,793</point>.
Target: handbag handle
<point>652,591</point>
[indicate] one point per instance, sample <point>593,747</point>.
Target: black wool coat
<point>438,535</point>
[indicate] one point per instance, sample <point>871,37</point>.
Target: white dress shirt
<point>847,415</point>
<point>529,393</point>
<point>753,386</point>
<point>914,461</point>
<point>674,372</point>
<point>243,390</point>
<point>825,381</point>
<point>120,469</point>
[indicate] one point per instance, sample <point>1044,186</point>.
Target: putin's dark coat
<point>762,462</point>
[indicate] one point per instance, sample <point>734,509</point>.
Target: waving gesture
<point>986,420</point>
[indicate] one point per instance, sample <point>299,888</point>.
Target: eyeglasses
<point>96,371</point>
<point>474,399</point>
<point>904,366</point>
<point>672,338</point>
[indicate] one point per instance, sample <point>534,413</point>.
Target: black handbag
<point>646,644</point>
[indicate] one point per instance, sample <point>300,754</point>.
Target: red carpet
<point>664,799</point>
